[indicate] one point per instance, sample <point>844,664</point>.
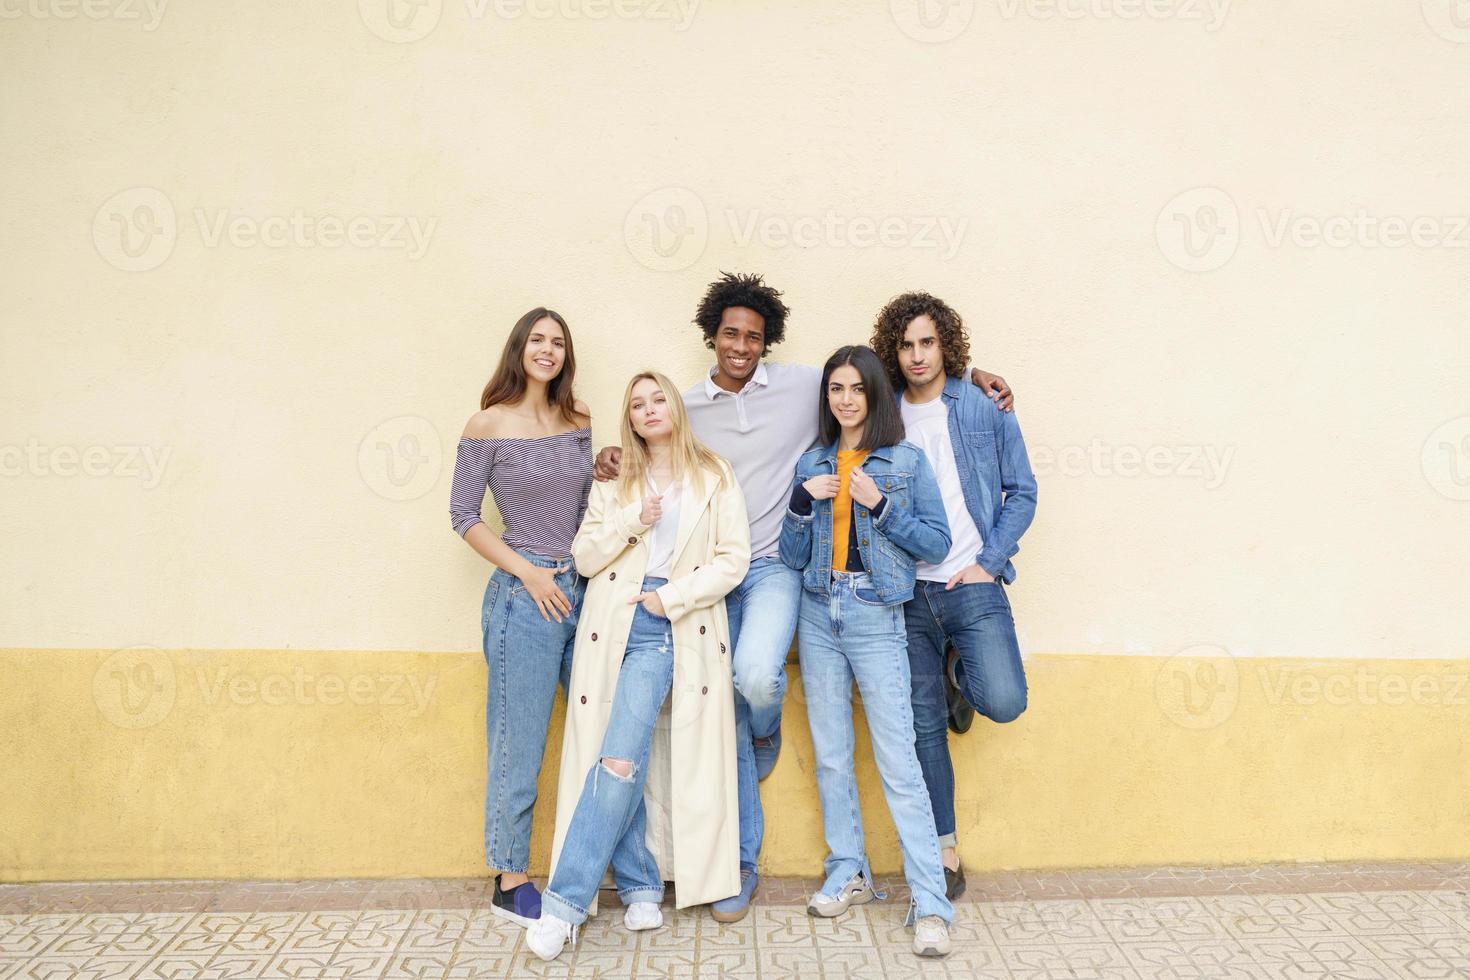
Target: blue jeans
<point>976,618</point>
<point>527,656</point>
<point>850,634</point>
<point>761,645</point>
<point>609,822</point>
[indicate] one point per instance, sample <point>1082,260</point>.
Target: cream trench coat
<point>693,825</point>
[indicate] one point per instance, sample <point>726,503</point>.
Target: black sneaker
<point>961,713</point>
<point>954,883</point>
<point>521,905</point>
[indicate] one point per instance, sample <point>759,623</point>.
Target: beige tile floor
<point>1289,921</point>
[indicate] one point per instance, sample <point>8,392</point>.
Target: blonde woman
<point>660,547</point>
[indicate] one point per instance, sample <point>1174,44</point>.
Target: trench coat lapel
<point>689,516</point>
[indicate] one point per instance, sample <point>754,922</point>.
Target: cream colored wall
<point>210,442</point>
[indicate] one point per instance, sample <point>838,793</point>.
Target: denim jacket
<point>912,526</point>
<point>992,460</point>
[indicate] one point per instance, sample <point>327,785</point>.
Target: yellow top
<point>847,461</point>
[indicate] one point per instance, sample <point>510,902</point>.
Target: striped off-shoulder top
<point>540,487</point>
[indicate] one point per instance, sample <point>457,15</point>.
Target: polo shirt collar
<point>757,380</point>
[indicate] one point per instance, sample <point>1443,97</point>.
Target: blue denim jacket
<point>912,526</point>
<point>991,457</point>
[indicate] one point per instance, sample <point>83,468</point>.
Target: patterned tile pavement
<point>1287,921</point>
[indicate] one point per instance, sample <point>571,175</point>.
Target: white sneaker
<point>856,892</point>
<point>931,936</point>
<point>547,935</point>
<point>643,915</point>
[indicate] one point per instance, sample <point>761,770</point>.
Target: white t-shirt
<point>927,426</point>
<point>664,533</point>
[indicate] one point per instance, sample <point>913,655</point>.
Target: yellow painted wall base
<point>263,764</point>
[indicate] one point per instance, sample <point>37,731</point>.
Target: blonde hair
<point>691,458</point>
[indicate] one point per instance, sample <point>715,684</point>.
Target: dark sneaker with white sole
<point>521,904</point>
<point>961,712</point>
<point>767,751</point>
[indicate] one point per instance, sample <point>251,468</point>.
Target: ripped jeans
<point>608,823</point>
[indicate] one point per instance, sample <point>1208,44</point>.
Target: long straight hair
<point>884,424</point>
<point>508,383</point>
<point>691,458</point>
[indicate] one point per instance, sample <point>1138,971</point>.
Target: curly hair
<point>895,319</point>
<point>733,289</point>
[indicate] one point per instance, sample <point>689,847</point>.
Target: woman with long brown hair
<point>531,444</point>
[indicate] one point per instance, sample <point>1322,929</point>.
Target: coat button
<point>584,699</point>
<point>633,540</point>
<point>722,649</point>
<point>594,637</point>
<point>704,690</point>
<point>701,631</point>
<point>611,576</point>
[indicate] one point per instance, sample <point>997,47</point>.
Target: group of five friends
<point>870,508</point>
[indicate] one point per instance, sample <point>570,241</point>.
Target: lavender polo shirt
<point>762,431</point>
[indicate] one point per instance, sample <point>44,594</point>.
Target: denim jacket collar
<point>829,454</point>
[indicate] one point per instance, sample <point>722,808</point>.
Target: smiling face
<point>546,350</point>
<point>920,355</point>
<point>648,411</point>
<point>846,398</point>
<point>739,343</point>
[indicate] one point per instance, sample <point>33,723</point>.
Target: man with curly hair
<point>989,497</point>
<point>761,417</point>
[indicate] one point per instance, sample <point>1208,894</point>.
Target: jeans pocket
<point>867,596</point>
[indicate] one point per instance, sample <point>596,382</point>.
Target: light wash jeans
<point>609,822</point>
<point>527,656</point>
<point>976,618</point>
<point>845,635</point>
<point>772,593</point>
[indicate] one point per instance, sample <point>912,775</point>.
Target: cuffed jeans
<point>976,618</point>
<point>771,593</point>
<point>609,822</point>
<point>527,656</point>
<point>851,634</point>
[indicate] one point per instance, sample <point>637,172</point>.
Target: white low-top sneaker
<point>931,936</point>
<point>856,892</point>
<point>548,934</point>
<point>643,915</point>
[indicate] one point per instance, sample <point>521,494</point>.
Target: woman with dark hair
<point>531,443</point>
<point>864,507</point>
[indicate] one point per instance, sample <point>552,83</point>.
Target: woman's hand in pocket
<point>651,602</point>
